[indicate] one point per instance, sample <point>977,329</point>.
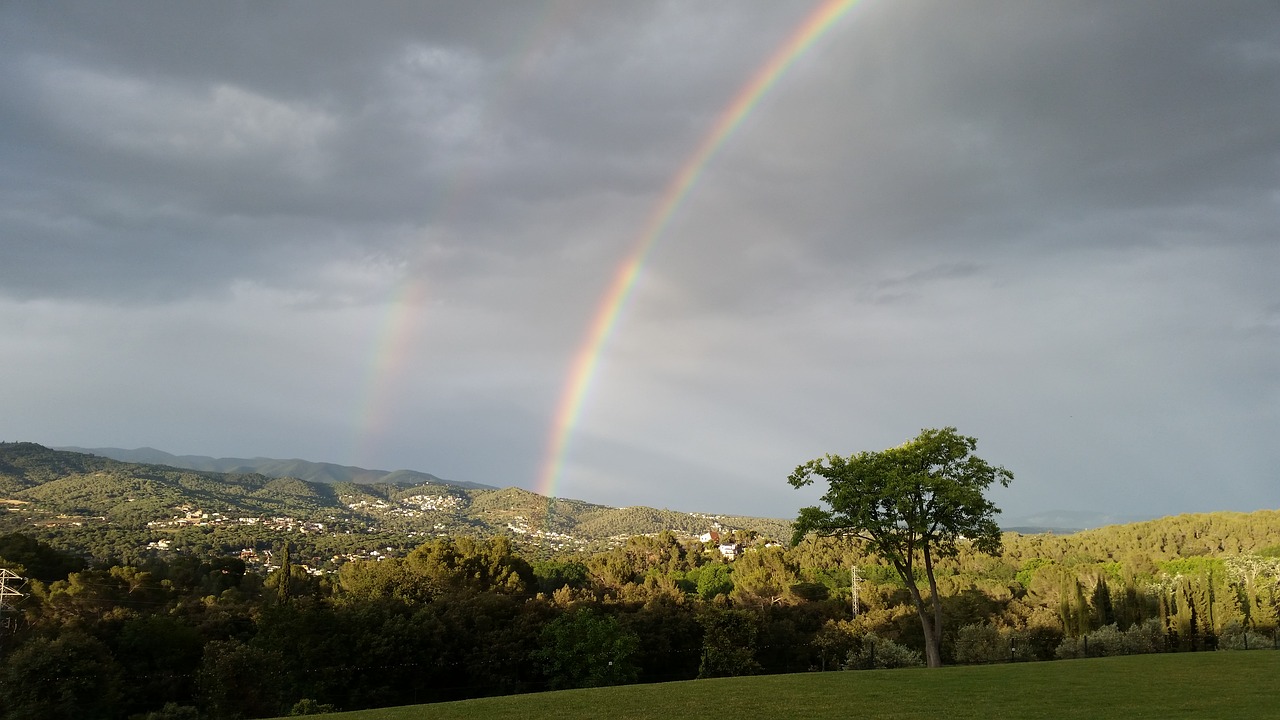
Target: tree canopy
<point>918,500</point>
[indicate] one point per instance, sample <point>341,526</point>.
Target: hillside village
<point>727,544</point>
<point>164,511</point>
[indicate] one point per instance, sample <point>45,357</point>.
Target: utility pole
<point>10,594</point>
<point>855,578</point>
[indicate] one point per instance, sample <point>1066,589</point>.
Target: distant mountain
<point>302,469</point>
<point>1066,521</point>
<point>71,491</point>
<point>1060,522</point>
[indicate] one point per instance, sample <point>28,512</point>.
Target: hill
<point>68,493</point>
<point>319,472</point>
<point>72,496</point>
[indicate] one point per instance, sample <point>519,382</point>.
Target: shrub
<point>307,706</point>
<point>1106,641</point>
<point>1145,637</point>
<point>1069,649</point>
<point>1038,642</point>
<point>878,653</point>
<point>981,643</point>
<point>1237,637</point>
<point>170,711</point>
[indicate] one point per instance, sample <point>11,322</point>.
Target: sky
<point>383,234</point>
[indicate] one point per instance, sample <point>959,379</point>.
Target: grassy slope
<point>1201,685</point>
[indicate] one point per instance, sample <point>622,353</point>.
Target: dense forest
<point>98,626</point>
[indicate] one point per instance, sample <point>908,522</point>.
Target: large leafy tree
<point>587,649</point>
<point>72,676</point>
<point>912,504</point>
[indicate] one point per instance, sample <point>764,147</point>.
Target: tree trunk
<point>933,641</point>
<point>932,646</point>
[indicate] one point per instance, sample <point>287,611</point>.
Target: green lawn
<point>1185,685</point>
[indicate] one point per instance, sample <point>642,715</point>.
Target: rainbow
<point>587,358</point>
<point>391,351</point>
<point>393,338</point>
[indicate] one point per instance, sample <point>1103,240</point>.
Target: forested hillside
<point>112,509</point>
<point>123,617</point>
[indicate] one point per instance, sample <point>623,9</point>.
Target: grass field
<point>1184,685</point>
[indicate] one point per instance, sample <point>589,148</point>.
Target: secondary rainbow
<point>393,339</point>
<point>585,362</point>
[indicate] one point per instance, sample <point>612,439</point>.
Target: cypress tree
<point>286,571</point>
<point>1081,611</point>
<point>1103,612</point>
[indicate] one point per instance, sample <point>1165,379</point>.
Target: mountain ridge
<point>312,471</point>
<point>70,491</point>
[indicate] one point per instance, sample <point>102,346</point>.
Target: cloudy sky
<point>378,234</point>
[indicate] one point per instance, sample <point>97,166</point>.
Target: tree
<point>159,655</point>
<point>238,679</point>
<point>728,643</point>
<point>917,501</point>
<point>37,560</point>
<point>465,565</point>
<point>714,579</point>
<point>587,649</point>
<point>764,577</point>
<point>286,570</point>
<point>73,676</point>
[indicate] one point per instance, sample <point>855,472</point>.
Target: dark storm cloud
<point>985,120</point>
<point>145,125</point>
<point>949,134</point>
